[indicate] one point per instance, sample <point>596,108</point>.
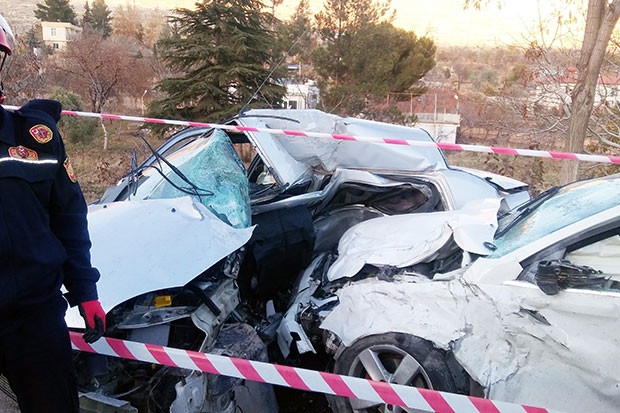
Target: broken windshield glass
<point>569,205</point>
<point>210,170</point>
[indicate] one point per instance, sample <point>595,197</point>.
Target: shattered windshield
<point>566,206</point>
<point>208,169</point>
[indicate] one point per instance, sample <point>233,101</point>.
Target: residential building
<point>301,95</point>
<point>553,90</point>
<point>57,34</point>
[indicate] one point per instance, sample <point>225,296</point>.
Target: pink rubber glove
<point>94,318</point>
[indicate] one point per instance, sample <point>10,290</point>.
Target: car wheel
<point>401,359</point>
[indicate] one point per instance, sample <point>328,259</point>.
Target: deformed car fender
<point>506,339</point>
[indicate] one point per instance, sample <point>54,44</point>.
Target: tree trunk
<point>105,135</point>
<point>600,23</point>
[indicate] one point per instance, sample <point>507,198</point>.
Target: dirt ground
<point>290,401</point>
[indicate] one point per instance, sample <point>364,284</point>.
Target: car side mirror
<point>555,275</point>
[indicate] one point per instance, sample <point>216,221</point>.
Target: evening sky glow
<point>445,21</point>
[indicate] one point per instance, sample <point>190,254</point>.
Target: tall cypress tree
<point>98,18</point>
<point>223,52</point>
<point>87,17</point>
<point>56,11</point>
<point>101,18</point>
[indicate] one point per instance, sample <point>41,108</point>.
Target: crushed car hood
<point>404,240</point>
<point>141,246</point>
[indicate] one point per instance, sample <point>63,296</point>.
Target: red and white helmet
<point>6,37</point>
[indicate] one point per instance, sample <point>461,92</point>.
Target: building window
<point>55,46</point>
<point>53,31</point>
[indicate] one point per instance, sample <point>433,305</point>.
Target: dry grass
<point>96,168</point>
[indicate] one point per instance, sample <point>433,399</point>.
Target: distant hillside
<point>20,13</point>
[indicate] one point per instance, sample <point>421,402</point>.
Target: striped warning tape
<point>422,400</point>
<point>385,140</point>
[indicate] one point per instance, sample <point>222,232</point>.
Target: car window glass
<point>569,205</point>
<point>207,168</point>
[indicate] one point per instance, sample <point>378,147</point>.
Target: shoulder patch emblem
<point>22,152</point>
<point>69,170</point>
<point>41,133</point>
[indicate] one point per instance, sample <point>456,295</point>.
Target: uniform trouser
<point>36,358</point>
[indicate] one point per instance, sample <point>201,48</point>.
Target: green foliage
<point>489,90</point>
<point>517,77</point>
<point>87,17</point>
<point>338,25</point>
<point>55,11</point>
<point>365,57</point>
<point>75,130</point>
<point>342,18</point>
<point>297,33</point>
<point>223,51</point>
<point>98,18</point>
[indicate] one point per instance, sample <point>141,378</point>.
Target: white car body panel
<point>464,189</point>
<point>327,154</point>
<point>558,352</point>
<point>552,373</point>
<point>392,240</point>
<point>287,168</point>
<point>132,263</point>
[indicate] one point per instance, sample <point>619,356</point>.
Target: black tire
<point>381,358</point>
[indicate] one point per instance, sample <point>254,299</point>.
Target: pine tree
<point>98,18</point>
<point>102,19</point>
<point>365,57</point>
<point>87,17</point>
<point>223,52</point>
<point>298,33</point>
<point>56,11</point>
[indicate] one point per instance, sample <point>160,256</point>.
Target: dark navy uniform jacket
<point>44,239</point>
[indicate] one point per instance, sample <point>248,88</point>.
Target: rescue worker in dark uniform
<point>44,244</point>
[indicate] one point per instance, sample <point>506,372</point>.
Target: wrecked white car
<point>523,310</point>
<point>200,251</point>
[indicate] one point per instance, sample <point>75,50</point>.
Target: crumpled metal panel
<point>404,240</point>
<point>141,246</point>
<point>327,154</point>
<point>558,352</point>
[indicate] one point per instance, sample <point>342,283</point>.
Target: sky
<point>444,21</point>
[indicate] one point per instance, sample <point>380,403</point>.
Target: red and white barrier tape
<point>385,140</point>
<point>423,400</point>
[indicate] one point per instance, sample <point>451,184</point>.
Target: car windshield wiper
<point>193,189</point>
<point>132,181</point>
<point>526,209</point>
<point>266,116</point>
